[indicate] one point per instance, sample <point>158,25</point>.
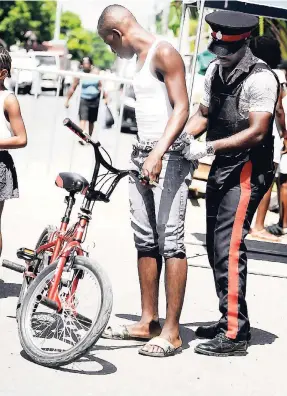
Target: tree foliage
<point>18,17</point>
<point>175,17</point>
<point>277,29</point>
<point>82,42</point>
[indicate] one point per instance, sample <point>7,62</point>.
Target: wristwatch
<point>209,149</point>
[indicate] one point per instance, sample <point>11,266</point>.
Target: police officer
<point>237,110</point>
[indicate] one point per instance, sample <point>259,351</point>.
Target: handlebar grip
<point>76,129</point>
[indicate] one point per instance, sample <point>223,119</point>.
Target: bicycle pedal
<point>26,254</point>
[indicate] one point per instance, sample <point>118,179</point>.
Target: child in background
<point>12,135</point>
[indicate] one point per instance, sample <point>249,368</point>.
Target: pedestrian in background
<point>90,96</point>
<point>280,229</point>
<point>268,50</point>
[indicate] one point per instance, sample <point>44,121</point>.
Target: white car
<point>51,61</point>
<point>25,77</point>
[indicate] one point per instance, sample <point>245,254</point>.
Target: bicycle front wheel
<point>53,338</point>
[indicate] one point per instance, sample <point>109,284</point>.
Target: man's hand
<point>67,104</point>
<point>152,167</point>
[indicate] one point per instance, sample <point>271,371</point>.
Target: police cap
<point>230,30</point>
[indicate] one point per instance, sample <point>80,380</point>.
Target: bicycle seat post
<point>70,201</point>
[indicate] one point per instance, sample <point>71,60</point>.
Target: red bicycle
<point>66,297</point>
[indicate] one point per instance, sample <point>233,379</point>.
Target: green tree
<point>102,56</point>
<point>82,42</point>
<point>70,21</point>
<point>17,17</point>
<point>175,17</point>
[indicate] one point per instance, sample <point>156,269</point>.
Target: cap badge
<point>218,35</point>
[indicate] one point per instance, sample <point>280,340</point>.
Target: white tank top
<point>5,127</point>
<point>152,108</point>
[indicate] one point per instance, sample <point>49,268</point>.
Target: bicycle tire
<point>49,360</point>
<point>43,238</point>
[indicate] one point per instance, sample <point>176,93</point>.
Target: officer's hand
<point>152,167</point>
<point>195,150</point>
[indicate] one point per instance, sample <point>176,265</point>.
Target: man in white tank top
<point>157,213</point>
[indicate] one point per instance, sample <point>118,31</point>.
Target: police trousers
<point>232,197</point>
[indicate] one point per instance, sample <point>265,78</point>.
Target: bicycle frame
<point>67,241</point>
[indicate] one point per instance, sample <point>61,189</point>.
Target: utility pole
<point>58,21</point>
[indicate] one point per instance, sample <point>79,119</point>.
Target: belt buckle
<point>135,151</point>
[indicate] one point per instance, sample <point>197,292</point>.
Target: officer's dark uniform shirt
<point>259,89</point>
<point>259,92</point>
<point>250,87</point>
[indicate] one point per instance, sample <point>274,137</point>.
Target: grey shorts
<point>158,216</point>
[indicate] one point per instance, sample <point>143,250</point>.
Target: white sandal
<point>167,349</point>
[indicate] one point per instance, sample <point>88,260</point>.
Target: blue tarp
<point>268,8</point>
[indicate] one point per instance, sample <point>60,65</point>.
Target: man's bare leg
<point>283,208</point>
<point>258,230</point>
<point>149,269</point>
<point>175,283</point>
<point>91,128</point>
<point>83,125</point>
<point>262,211</point>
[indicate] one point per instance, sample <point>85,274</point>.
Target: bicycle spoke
<point>55,332</point>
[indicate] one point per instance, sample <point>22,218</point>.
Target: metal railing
<point>104,78</point>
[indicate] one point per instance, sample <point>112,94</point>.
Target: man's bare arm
<point>169,64</point>
<point>72,90</point>
<point>250,137</point>
<point>280,115</point>
<point>197,124</point>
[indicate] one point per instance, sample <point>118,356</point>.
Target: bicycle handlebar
<point>76,129</point>
<point>101,161</point>
<point>99,158</point>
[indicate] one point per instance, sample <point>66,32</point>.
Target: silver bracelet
<point>210,149</point>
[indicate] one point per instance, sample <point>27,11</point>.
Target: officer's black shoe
<point>210,332</point>
<point>222,346</point>
<point>207,332</point>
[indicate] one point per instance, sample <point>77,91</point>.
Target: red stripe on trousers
<point>235,242</point>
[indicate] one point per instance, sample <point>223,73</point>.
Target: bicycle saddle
<point>72,182</point>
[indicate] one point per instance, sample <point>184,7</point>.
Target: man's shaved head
<point>114,26</point>
<point>113,17</point>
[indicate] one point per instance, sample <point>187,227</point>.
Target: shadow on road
<point>187,334</point>
<point>258,336</point>
<point>115,347</point>
<point>262,337</point>
<point>9,289</point>
<point>75,367</point>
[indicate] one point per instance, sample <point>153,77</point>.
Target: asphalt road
<point>115,368</point>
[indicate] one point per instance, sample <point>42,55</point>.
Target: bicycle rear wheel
<point>52,338</point>
<point>43,239</point>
